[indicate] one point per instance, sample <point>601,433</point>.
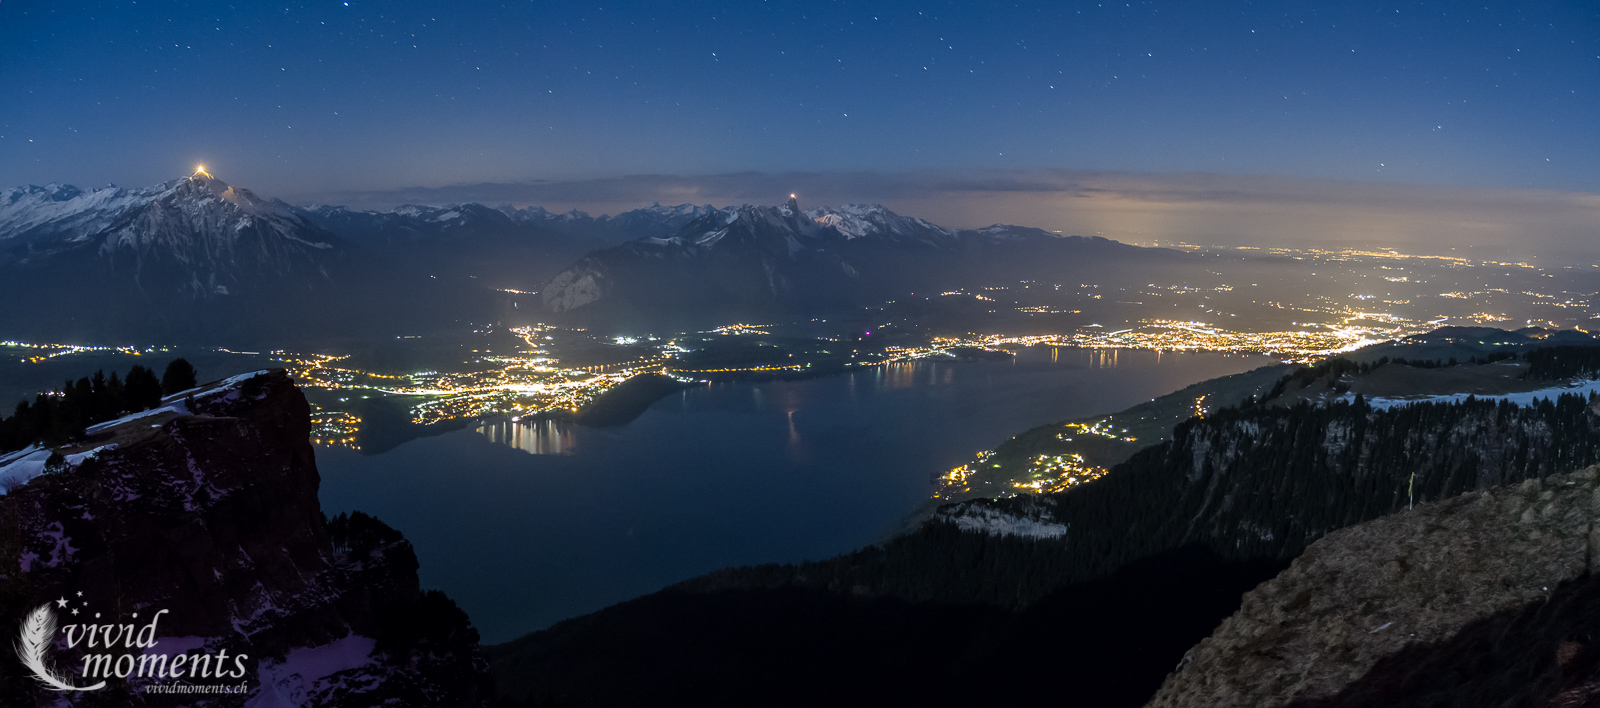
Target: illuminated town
<point>1039,473</point>
<point>1296,346</point>
<point>525,381</point>
<point>34,353</point>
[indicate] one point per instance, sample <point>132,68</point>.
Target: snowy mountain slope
<point>188,260</point>
<point>755,260</point>
<point>24,209</point>
<point>195,235</point>
<point>854,221</point>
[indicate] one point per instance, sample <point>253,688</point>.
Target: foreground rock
<point>1483,599</point>
<point>207,508</point>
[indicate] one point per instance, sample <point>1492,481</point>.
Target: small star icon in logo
<point>80,593</point>
<point>62,602</point>
<point>74,612</point>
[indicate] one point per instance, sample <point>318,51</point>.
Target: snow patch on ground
<point>77,458</point>
<point>1032,521</point>
<point>289,683</point>
<point>232,381</point>
<point>175,407</point>
<point>1524,398</point>
<point>22,466</point>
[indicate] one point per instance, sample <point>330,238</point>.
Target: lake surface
<point>526,524</point>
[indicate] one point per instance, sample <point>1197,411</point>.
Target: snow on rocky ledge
<point>21,466</point>
<point>290,682</point>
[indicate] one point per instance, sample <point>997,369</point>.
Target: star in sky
<point>1317,90</point>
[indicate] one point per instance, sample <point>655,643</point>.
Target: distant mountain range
<point>413,223</point>
<point>654,221</point>
<point>195,259</point>
<point>761,261</point>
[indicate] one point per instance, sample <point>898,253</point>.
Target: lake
<point>528,523</point>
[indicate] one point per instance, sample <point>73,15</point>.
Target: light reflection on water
<point>535,437</point>
<point>550,437</point>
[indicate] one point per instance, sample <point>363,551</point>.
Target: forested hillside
<point>1253,484</point>
<point>1136,566</point>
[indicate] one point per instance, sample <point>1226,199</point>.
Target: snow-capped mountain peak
<point>203,186</point>
<point>195,234</point>
<point>869,220</point>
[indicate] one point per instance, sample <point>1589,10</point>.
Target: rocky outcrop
<point>576,286</point>
<point>206,507</point>
<point>1483,599</point>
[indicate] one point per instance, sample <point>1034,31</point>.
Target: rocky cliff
<point>1488,598</point>
<point>206,507</point>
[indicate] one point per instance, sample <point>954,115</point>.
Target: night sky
<point>317,101</point>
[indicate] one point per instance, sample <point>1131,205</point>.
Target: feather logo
<point>38,630</point>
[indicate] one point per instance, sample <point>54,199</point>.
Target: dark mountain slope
<point>795,645</point>
<point>750,263</point>
<point>460,242</point>
<point>654,221</point>
<point>1252,486</point>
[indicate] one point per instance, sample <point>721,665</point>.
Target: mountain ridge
<point>195,260</point>
<point>763,261</point>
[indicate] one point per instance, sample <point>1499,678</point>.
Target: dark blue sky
<point>297,99</point>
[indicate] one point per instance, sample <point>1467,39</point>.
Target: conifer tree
<point>141,390</point>
<point>179,376</point>
<point>116,397</point>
